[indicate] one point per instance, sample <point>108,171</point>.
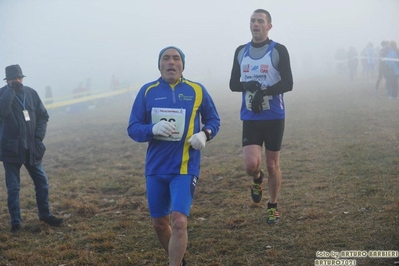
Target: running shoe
<point>273,216</point>
<point>256,188</point>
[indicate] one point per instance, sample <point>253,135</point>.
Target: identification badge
<point>26,115</point>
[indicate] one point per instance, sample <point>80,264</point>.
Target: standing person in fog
<point>382,65</point>
<point>392,71</point>
<point>23,124</point>
<point>353,61</point>
<point>262,72</point>
<point>168,113</point>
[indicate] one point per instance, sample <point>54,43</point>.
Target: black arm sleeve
<point>235,84</point>
<point>284,67</point>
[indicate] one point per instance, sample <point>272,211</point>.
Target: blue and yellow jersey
<point>192,104</point>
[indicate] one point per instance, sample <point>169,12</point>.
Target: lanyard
<point>24,111</point>
<point>22,103</point>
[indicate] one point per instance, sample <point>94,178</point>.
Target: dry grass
<point>340,191</point>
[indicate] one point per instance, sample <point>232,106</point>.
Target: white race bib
<point>249,97</point>
<point>177,116</point>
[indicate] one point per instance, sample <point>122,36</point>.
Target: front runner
<point>168,113</point>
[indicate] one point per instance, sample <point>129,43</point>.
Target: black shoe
<point>183,262</point>
<point>256,188</point>
<point>15,228</point>
<point>52,220</point>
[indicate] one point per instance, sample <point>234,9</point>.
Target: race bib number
<point>177,116</point>
<point>248,100</point>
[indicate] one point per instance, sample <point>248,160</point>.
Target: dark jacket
<point>20,138</point>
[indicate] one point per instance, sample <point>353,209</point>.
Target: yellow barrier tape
<point>84,98</point>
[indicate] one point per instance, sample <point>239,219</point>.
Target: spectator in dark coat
<point>23,124</point>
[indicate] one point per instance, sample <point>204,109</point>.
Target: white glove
<point>163,128</point>
<point>197,141</point>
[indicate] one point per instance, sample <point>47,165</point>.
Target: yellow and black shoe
<point>256,188</point>
<point>273,216</point>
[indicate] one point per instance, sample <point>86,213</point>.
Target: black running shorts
<point>257,132</point>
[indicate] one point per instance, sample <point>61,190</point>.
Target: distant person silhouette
<point>340,57</point>
<point>48,95</point>
<point>367,60</point>
<point>382,64</point>
<point>78,91</point>
<point>115,85</point>
<point>87,88</point>
<point>353,62</point>
<point>392,70</point>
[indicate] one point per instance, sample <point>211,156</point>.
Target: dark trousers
<point>40,180</point>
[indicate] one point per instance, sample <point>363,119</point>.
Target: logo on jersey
<point>245,68</point>
<point>254,68</point>
<point>259,77</point>
<point>185,98</point>
<point>264,68</point>
<point>160,98</point>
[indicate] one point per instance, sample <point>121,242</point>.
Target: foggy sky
<point>63,42</point>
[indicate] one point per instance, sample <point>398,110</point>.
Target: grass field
<point>340,190</point>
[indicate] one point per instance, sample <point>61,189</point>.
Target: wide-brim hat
<point>13,71</point>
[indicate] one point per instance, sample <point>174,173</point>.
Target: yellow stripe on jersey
<point>150,87</point>
<point>190,131</point>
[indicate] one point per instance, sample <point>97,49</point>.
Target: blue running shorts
<point>167,193</point>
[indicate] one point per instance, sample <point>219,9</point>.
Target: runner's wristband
<point>208,134</point>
